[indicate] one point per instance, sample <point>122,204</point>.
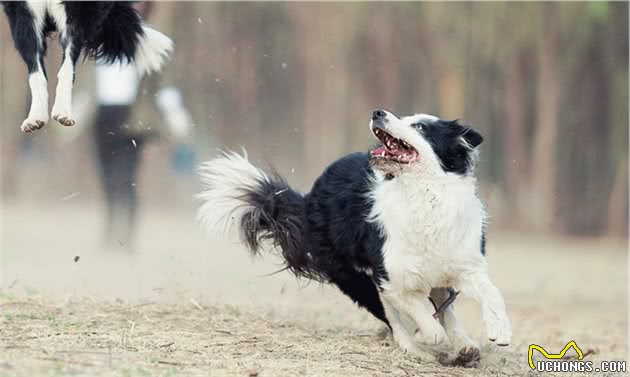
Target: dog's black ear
<point>472,137</point>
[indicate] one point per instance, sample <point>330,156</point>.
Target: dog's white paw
<point>461,341</point>
<point>33,123</point>
<point>64,118</point>
<point>499,329</point>
<point>432,333</point>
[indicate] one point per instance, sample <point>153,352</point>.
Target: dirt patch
<point>184,305</point>
<point>99,338</point>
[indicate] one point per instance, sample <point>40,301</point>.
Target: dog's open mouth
<point>393,149</point>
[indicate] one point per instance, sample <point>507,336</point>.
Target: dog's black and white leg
<point>27,21</point>
<point>477,284</point>
<point>467,352</point>
<point>362,290</point>
<point>62,109</point>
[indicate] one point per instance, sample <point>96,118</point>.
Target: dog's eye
<point>417,126</point>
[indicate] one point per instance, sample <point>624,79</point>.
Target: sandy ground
<point>184,304</point>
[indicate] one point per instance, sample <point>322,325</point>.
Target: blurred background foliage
<point>294,83</point>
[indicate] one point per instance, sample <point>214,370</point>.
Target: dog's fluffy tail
<point>124,37</point>
<point>261,206</point>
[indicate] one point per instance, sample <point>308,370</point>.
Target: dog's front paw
<point>460,340</point>
<point>33,123</point>
<point>64,119</point>
<point>467,357</point>
<point>499,329</point>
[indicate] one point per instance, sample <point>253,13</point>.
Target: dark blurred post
<point>545,140</point>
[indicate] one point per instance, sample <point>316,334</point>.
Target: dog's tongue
<point>379,151</point>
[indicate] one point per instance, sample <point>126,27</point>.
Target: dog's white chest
<point>430,229</point>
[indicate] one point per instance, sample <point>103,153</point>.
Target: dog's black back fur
<point>342,243</point>
<point>337,207</point>
<point>333,243</point>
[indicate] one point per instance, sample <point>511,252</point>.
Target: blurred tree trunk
<point>618,203</point>
<point>326,79</point>
<point>543,160</point>
<point>617,221</point>
<point>445,61</point>
<point>514,158</point>
<point>451,93</point>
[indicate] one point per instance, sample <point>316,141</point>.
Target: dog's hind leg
<point>27,23</point>
<point>62,109</point>
<point>71,37</point>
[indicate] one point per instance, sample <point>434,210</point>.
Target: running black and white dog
<point>109,30</point>
<point>395,229</point>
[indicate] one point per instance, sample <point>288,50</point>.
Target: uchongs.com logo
<point>560,362</point>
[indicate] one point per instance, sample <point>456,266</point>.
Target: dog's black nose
<point>378,114</point>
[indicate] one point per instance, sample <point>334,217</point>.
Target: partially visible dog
<point>390,228</point>
<point>112,31</point>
